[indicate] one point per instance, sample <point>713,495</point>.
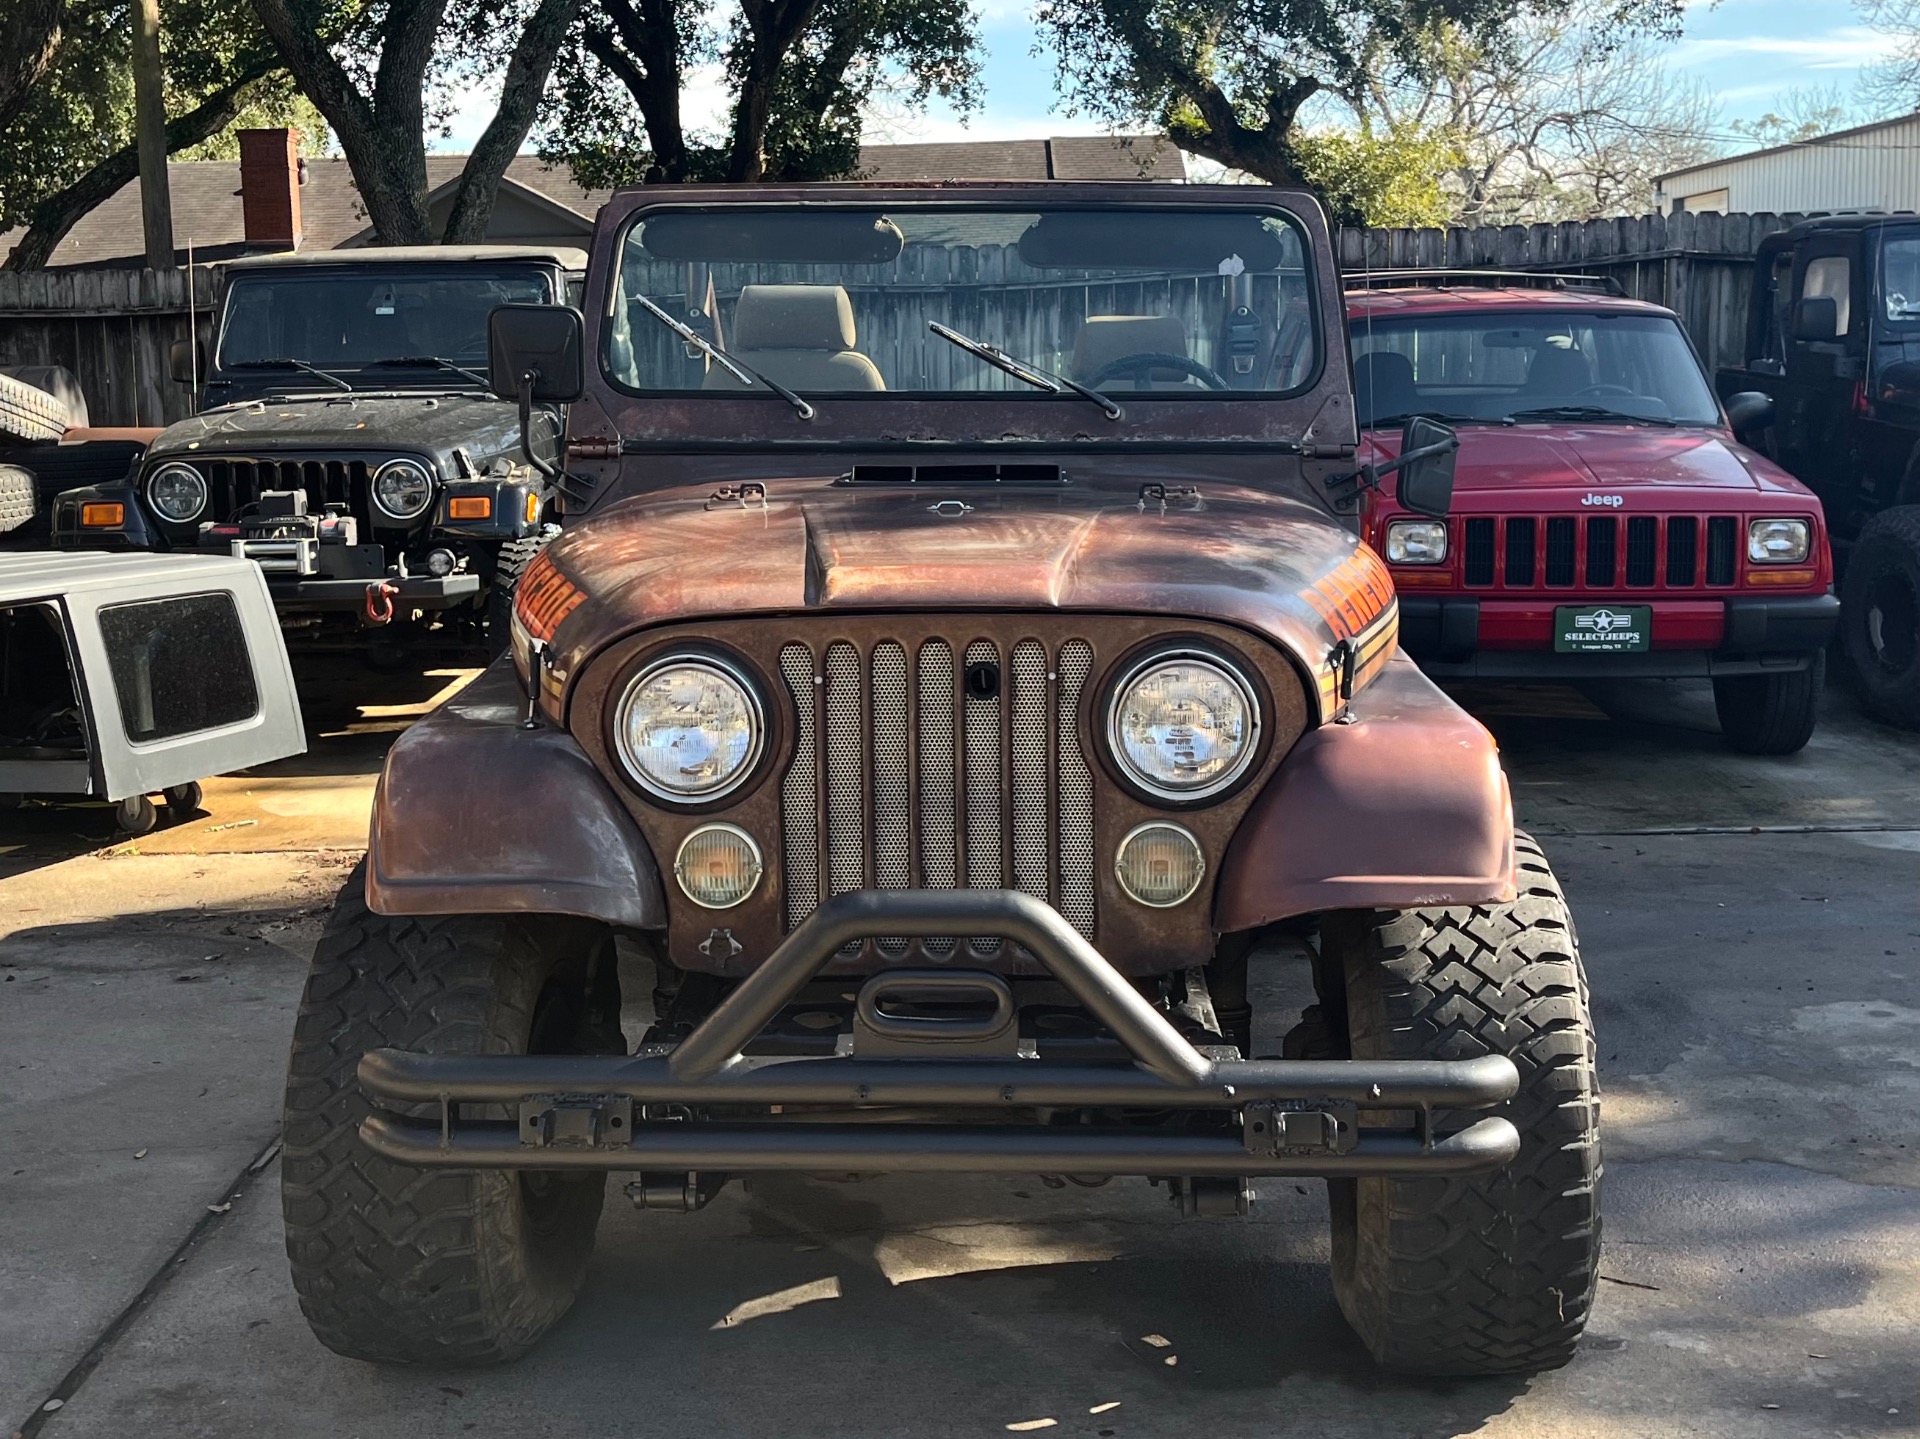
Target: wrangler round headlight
<point>1417,542</point>
<point>1778,542</point>
<point>402,489</point>
<point>689,728</point>
<point>177,492</point>
<point>718,866</point>
<point>1183,726</point>
<point>1159,864</point>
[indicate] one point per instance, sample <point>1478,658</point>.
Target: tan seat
<point>800,336</point>
<point>1106,338</point>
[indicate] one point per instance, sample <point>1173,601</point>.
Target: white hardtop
<point>46,575</point>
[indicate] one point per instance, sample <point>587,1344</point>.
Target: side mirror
<point>1750,410</point>
<point>1427,453</point>
<point>186,361</point>
<point>1816,318</point>
<point>536,354</point>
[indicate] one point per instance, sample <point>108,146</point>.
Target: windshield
<point>347,320</point>
<point>1491,366</point>
<point>1182,303</point>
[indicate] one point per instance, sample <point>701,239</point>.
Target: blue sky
<point>1750,53</point>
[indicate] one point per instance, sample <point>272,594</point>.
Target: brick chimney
<point>270,188</point>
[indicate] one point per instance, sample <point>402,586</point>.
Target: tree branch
<point>29,34</point>
<point>526,82</point>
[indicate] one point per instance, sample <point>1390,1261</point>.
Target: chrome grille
<point>904,775</point>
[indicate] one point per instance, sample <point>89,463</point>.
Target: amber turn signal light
<point>102,516</point>
<point>1780,577</point>
<point>533,507</point>
<point>470,507</point>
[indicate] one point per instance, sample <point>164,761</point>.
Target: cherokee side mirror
<point>1748,411</point>
<point>1816,318</point>
<point>186,361</point>
<point>536,354</point>
<point>1425,464</point>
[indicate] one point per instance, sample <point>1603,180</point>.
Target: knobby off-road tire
<point>1770,714</point>
<point>1880,614</point>
<point>403,1265</point>
<point>1487,1274</point>
<point>511,562</point>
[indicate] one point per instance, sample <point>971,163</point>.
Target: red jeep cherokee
<point>1605,522</point>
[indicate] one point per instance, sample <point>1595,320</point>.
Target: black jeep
<point>349,443</point>
<point>1833,337</point>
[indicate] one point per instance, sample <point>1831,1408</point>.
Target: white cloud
<point>1847,48</point>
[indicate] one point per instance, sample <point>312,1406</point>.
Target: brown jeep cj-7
<point>956,661</point>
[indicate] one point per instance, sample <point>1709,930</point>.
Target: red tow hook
<point>380,602</point>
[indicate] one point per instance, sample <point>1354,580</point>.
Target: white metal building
<point>1870,167</point>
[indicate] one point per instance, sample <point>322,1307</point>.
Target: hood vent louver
<point>1026,476</point>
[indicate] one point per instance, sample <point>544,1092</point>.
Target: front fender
<point>475,815</point>
<point>1406,806</point>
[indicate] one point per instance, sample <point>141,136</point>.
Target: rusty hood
<point>1231,553</point>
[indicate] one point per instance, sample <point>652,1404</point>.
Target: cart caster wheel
<point>136,814</point>
<point>183,800</point>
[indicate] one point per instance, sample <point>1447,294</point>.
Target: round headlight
<point>1183,726</point>
<point>717,866</point>
<point>402,489</point>
<point>689,728</point>
<point>1159,864</point>
<point>177,492</point>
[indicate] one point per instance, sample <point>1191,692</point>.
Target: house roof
<point>1837,140</point>
<point>207,212</point>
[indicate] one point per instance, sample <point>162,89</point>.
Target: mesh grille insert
<point>1683,549</point>
<point>1520,535</point>
<point>1560,550</point>
<point>1722,537</point>
<point>1643,541</point>
<point>906,773</point>
<point>1603,543</point>
<point>1478,552</point>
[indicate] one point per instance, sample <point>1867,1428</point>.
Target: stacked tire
<point>38,404</point>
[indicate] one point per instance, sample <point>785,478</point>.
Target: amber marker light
<point>470,507</point>
<point>533,507</point>
<point>1781,577</point>
<point>1407,579</point>
<point>102,516</point>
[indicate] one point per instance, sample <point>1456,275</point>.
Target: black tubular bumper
<point>310,595</point>
<point>1270,1117</point>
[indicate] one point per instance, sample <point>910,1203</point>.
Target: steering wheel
<point>1626,390</point>
<point>1148,360</point>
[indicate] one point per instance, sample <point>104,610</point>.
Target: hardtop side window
<point>180,665</point>
<point>1830,275</point>
<point>1184,303</point>
<point>39,703</point>
<point>1900,277</point>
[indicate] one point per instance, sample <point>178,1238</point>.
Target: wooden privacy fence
<point>112,328</point>
<point>1698,266</point>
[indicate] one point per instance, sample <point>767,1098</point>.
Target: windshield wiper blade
<point>283,364</point>
<point>1588,412</point>
<point>745,374</point>
<point>1030,374</point>
<point>1442,415</point>
<point>430,362</point>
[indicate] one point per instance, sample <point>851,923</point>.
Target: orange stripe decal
<point>545,598</point>
<point>1352,595</point>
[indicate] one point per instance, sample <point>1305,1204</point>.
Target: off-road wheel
<point>509,564</point>
<point>410,1266</point>
<point>1770,714</point>
<point>1880,615</point>
<point>1492,1273</point>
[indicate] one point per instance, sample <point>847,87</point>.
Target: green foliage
<point>1394,178</point>
<point>81,112</point>
<point>614,118</point>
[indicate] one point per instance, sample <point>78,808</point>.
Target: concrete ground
<point>1751,929</point>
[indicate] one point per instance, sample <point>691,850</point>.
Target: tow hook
<point>380,602</point>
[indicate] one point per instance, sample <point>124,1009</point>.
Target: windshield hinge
<point>593,449</point>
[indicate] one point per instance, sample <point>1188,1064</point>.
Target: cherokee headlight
<point>1778,542</point>
<point>1183,726</point>
<point>718,866</point>
<point>1417,542</point>
<point>402,489</point>
<point>689,728</point>
<point>177,492</point>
